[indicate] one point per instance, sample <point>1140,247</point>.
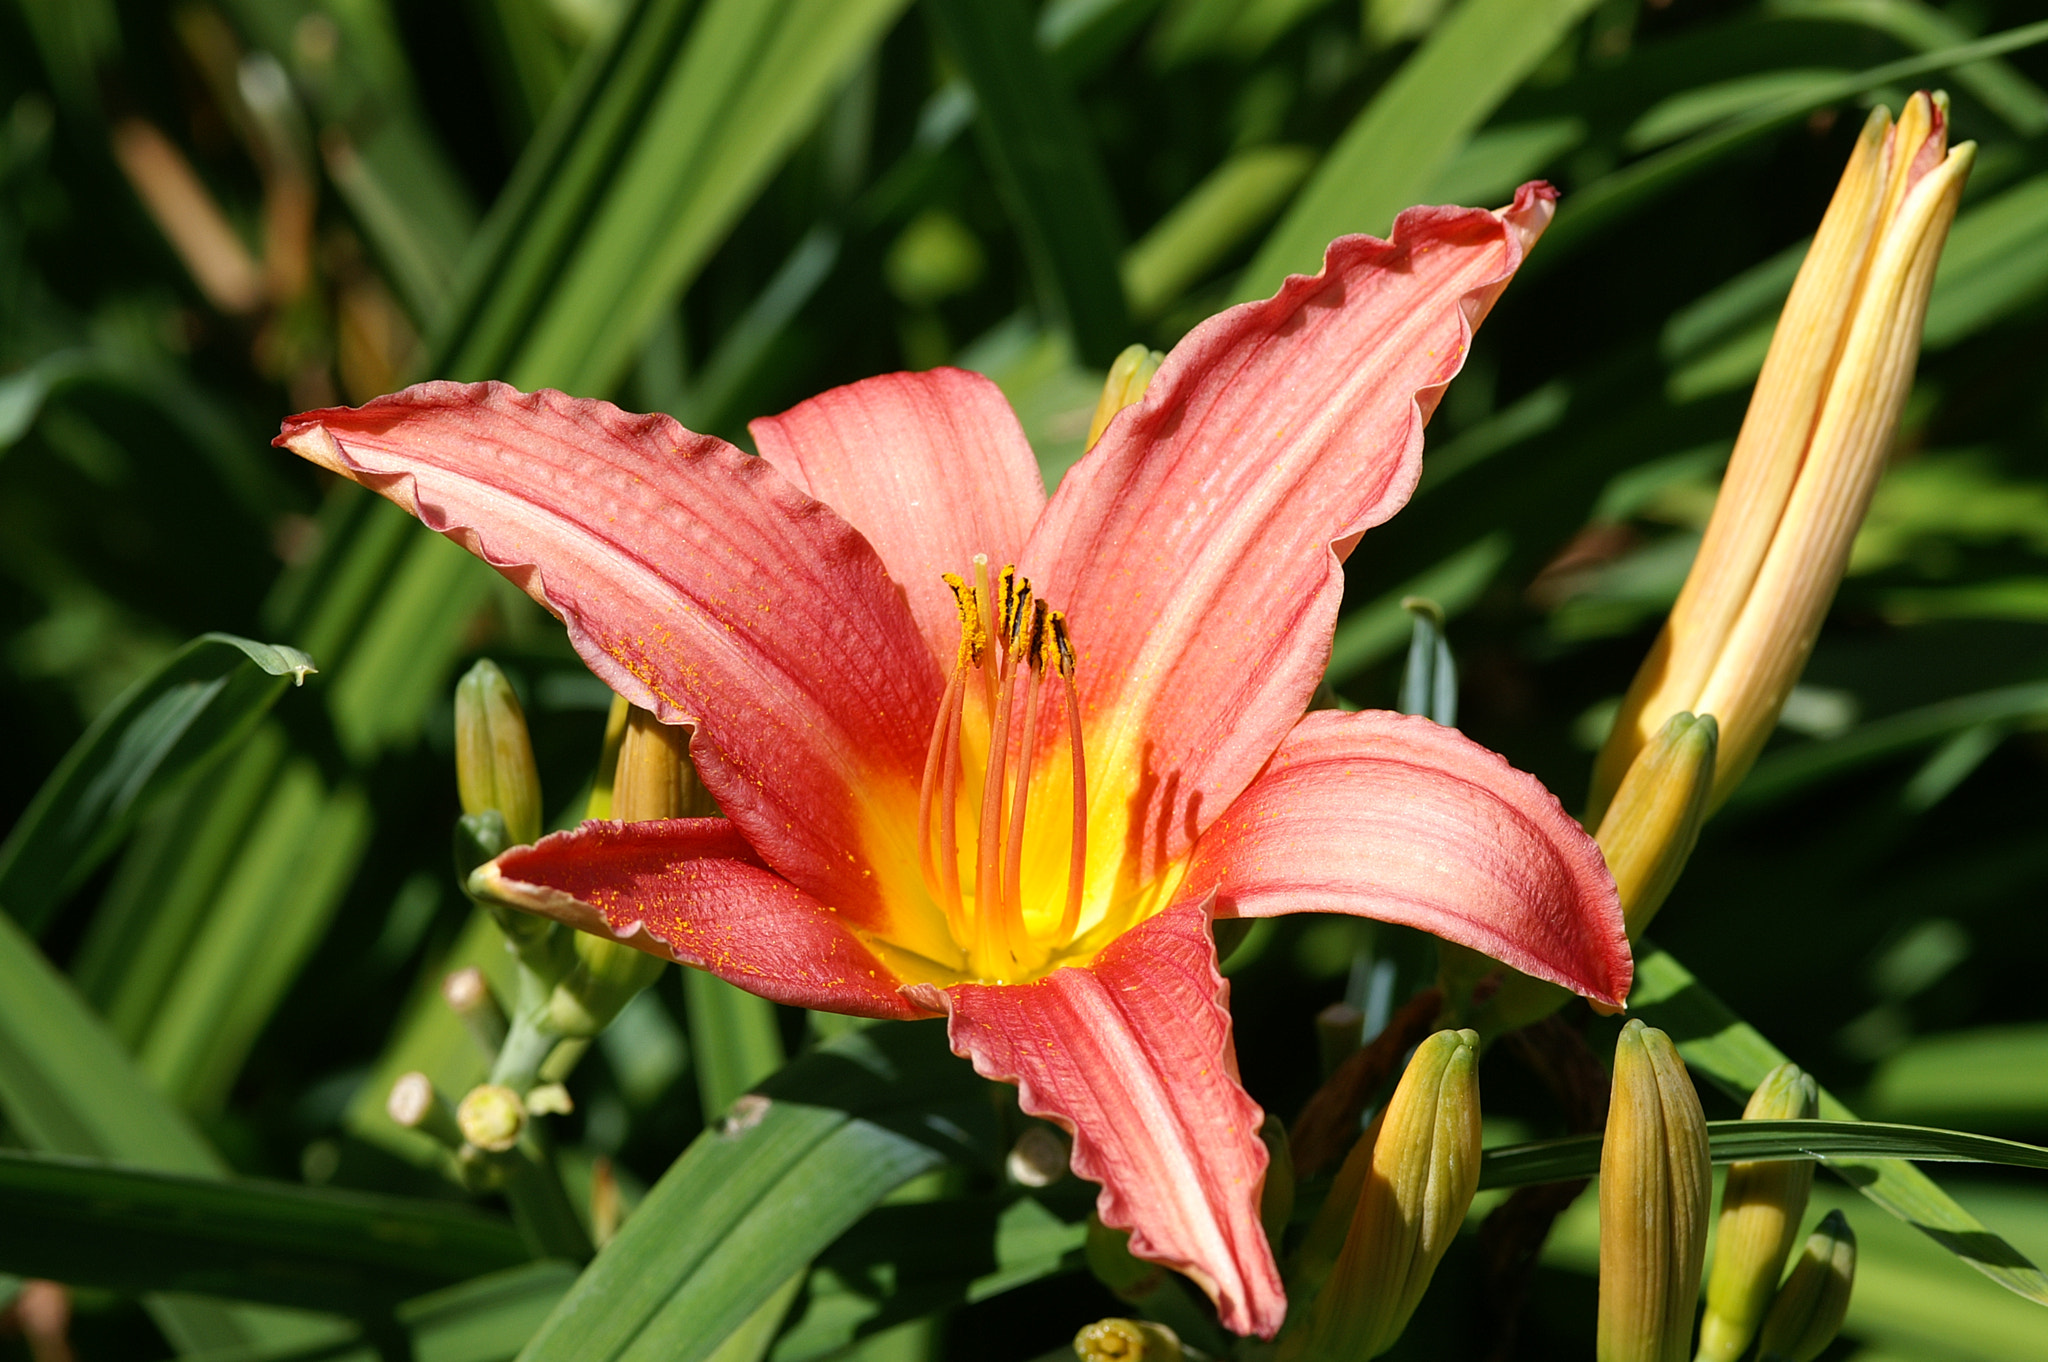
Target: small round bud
<point>491,1117</point>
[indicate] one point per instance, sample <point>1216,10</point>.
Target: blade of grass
<point>90,1223</point>
<point>67,1087</point>
<point>163,730</point>
<point>1578,1156</point>
<point>734,1042</point>
<point>756,1197</point>
<point>1045,167</point>
<point>1407,136</point>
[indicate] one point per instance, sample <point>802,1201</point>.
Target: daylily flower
<point>944,797</point>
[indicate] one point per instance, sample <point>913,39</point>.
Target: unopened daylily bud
<point>1130,373</point>
<point>1127,1340</point>
<point>1424,1168</point>
<point>1809,454</point>
<point>494,766</point>
<point>480,837</point>
<point>1654,1188</point>
<point>1812,1304</point>
<point>1655,819</point>
<point>1761,1207</point>
<point>491,1117</point>
<point>653,779</point>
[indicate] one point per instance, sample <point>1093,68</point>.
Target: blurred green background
<point>215,213</point>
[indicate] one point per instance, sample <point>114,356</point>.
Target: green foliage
<point>228,911</point>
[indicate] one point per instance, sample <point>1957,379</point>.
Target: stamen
<point>990,920</point>
<point>1013,851</point>
<point>983,596</point>
<point>1077,855</point>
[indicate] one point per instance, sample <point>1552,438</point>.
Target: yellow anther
<point>1006,599</point>
<point>973,637</point>
<point>1063,644</point>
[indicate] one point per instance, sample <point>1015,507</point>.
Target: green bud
<point>1654,1189</point>
<point>493,756</point>
<point>491,1117</point>
<point>1127,1340</point>
<point>1130,373</point>
<point>653,779</point>
<point>1761,1207</point>
<point>1651,826</point>
<point>481,837</point>
<point>1810,1307</point>
<point>1423,1169</point>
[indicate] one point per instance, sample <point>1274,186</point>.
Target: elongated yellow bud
<point>654,779</point>
<point>1422,1167</point>
<point>494,766</point>
<point>1761,1207</point>
<point>1130,373</point>
<point>1812,1304</point>
<point>1811,449</point>
<point>1654,1188</point>
<point>1655,819</point>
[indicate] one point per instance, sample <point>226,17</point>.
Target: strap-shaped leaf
<point>164,728</point>
<point>130,1229</point>
<point>1393,152</point>
<point>758,1196</point>
<point>1046,167</point>
<point>1578,1156</point>
<point>1721,1047</point>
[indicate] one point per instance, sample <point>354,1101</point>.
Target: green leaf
<point>755,1198</point>
<point>2002,88</point>
<point>1233,201</point>
<point>67,1087</point>
<point>485,1319</point>
<point>1045,166</point>
<point>259,930</point>
<point>128,1229</point>
<point>1407,136</point>
<point>1794,769</point>
<point>1578,1156</point>
<point>664,135</point>
<point>163,730</point>
<point>734,1040</point>
<point>1604,202</point>
<point>1729,1052</point>
<point>1989,1074</point>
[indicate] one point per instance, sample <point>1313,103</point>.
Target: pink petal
<point>1192,549</point>
<point>1133,1056</point>
<point>1392,817</point>
<point>692,890</point>
<point>697,583</point>
<point>933,468</point>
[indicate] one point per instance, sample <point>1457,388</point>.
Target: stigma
<point>1015,661</point>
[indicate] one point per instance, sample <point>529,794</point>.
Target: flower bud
<point>1654,1188</point>
<point>1127,1340</point>
<point>1130,373</point>
<point>1809,454</point>
<point>1423,1169</point>
<point>1655,819</point>
<point>468,995</point>
<point>491,1117</point>
<point>653,779</point>
<point>1761,1207</point>
<point>493,756</point>
<point>1810,1307</point>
